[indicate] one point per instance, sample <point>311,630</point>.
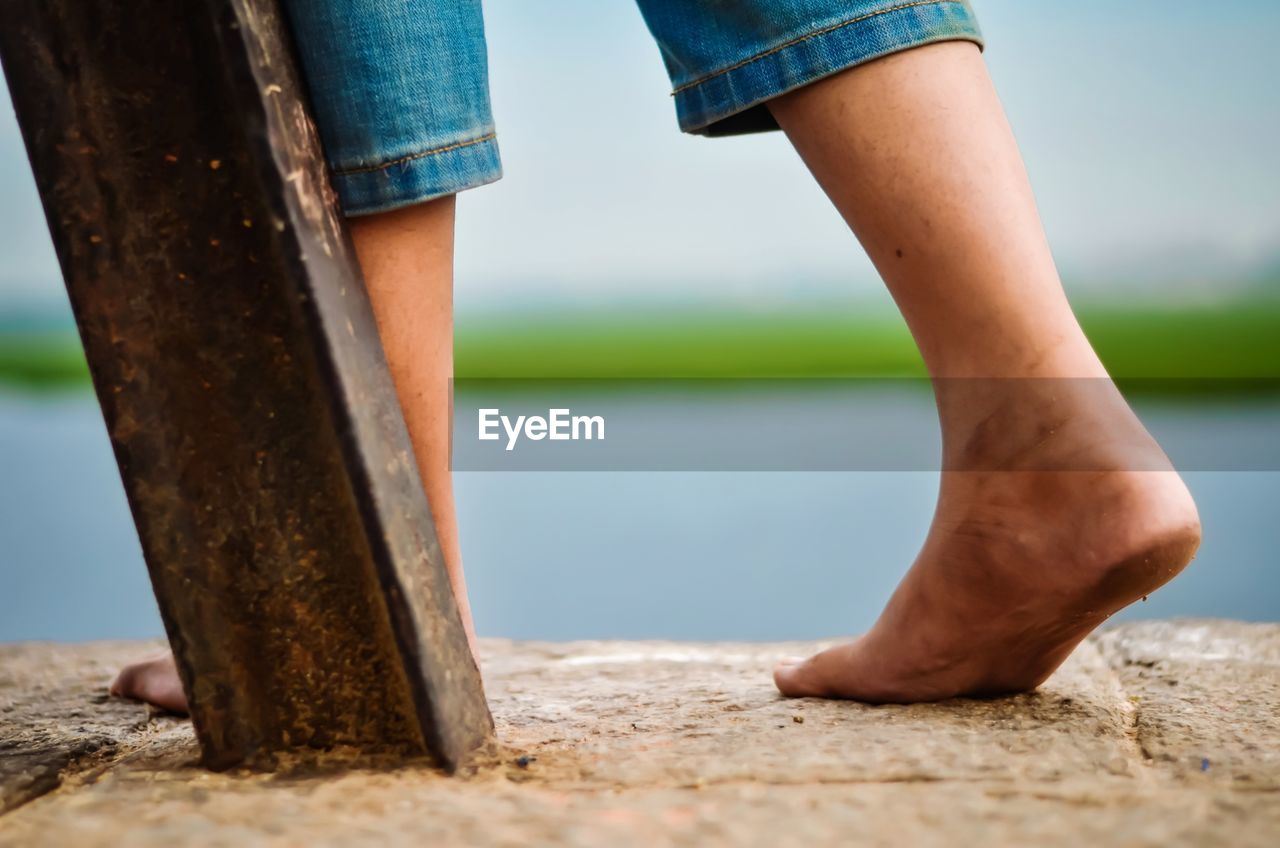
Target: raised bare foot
<point>1020,564</point>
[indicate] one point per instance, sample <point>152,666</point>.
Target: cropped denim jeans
<point>400,91</point>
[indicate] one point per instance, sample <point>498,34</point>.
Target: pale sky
<point>1149,128</point>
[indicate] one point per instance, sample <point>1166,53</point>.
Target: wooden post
<point>238,366</point>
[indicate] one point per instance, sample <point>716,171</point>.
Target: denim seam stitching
<point>808,35</point>
<point>412,156</point>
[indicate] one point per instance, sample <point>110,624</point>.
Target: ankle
<point>1042,424</point>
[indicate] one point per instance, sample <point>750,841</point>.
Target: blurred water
<point>593,555</point>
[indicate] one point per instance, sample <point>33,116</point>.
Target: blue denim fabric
<point>400,94</point>
<point>399,88</point>
<point>727,57</point>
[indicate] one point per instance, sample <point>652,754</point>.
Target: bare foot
<point>1019,565</point>
<point>154,681</point>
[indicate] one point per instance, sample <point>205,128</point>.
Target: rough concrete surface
<point>1155,733</point>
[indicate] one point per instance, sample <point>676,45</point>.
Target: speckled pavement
<point>1154,733</point>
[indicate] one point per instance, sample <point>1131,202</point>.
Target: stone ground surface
<point>1156,733</point>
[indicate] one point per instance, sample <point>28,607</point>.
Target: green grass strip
<point>1228,342</point>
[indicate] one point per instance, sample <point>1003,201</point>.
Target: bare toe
<point>797,678</point>
<point>154,681</point>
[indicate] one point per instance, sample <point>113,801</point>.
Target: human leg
<point>1056,507</point>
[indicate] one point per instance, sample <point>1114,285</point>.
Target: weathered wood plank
<point>236,360</point>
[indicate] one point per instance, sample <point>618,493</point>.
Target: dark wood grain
<point>243,385</point>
